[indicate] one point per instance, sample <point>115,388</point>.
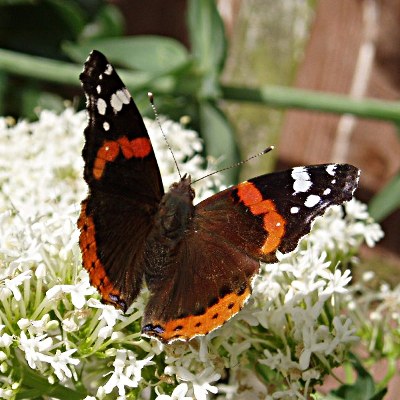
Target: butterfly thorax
<point>174,212</point>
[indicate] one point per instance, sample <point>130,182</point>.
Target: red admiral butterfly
<point>198,261</point>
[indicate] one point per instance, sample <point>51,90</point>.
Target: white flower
<point>200,382</point>
<point>234,350</point>
<point>60,363</point>
<point>108,317</point>
<point>5,338</point>
<point>344,333</point>
<point>279,360</point>
<point>78,291</point>
<point>357,210</point>
<point>337,281</point>
<point>34,348</point>
<point>127,372</point>
<point>372,233</point>
<point>315,341</point>
<point>368,276</point>
<point>12,284</point>
<point>179,393</point>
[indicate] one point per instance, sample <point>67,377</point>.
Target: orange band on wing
<point>248,193</point>
<point>273,222</point>
<point>109,151</point>
<point>139,147</point>
<point>97,273</point>
<point>194,325</point>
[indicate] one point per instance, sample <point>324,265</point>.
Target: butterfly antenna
<point>151,99</point>
<point>267,150</point>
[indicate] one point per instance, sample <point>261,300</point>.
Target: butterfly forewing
<point>272,212</point>
<point>124,182</point>
<point>118,154</point>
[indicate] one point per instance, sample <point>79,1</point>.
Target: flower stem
<point>287,97</point>
<point>272,96</point>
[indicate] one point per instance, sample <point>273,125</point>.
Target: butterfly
<point>198,262</point>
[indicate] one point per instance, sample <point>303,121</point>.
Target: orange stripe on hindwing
<point>109,151</point>
<point>194,325</point>
<point>273,222</point>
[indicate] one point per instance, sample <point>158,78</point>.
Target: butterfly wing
<point>274,211</point>
<point>232,231</point>
<point>124,182</point>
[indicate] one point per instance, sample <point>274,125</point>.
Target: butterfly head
<point>183,188</point>
<point>176,208</point>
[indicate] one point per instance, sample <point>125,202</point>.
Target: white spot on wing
<point>109,69</point>
<point>327,191</point>
<point>294,210</point>
<point>106,126</point>
<point>127,94</point>
<point>330,169</point>
<point>118,99</point>
<point>101,106</point>
<point>302,182</point>
<point>312,200</point>
<point>98,88</point>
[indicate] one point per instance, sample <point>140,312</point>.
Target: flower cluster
<point>58,340</point>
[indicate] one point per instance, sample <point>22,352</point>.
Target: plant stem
<point>286,97</point>
<point>273,96</point>
<point>39,67</point>
<point>56,71</point>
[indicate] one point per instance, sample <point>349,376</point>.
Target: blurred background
<point>241,72</point>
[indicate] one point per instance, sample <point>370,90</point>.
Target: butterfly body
<point>198,262</point>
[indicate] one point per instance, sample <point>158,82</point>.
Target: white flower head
<point>293,322</point>
<point>127,372</point>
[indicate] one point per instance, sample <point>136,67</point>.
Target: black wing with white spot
<point>124,181</point>
<point>303,193</point>
<point>272,212</point>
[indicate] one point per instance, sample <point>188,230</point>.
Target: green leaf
<point>70,13</point>
<point>33,97</point>
<point>209,46</point>
<point>364,387</point>
<point>107,22</point>
<point>387,200</point>
<point>153,54</point>
<point>218,137</point>
<point>380,395</point>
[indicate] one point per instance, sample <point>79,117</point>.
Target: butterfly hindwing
<point>229,234</point>
<point>209,282</point>
<point>124,182</point>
